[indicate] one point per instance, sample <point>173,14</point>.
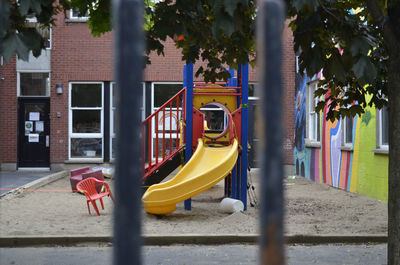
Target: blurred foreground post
<point>129,47</point>
<point>270,25</point>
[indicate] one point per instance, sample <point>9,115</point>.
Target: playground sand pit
<point>310,208</point>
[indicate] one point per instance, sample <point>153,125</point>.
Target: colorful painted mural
<point>355,168</point>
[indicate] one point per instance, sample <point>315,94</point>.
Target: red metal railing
<point>161,132</point>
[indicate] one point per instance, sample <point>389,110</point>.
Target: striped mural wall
<point>358,170</point>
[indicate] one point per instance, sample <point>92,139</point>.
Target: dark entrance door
<point>33,132</point>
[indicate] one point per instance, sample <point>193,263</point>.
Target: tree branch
<point>376,12</point>
<point>384,22</point>
<point>327,11</point>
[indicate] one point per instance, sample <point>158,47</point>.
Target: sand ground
<point>310,208</point>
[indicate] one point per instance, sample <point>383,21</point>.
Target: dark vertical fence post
<point>129,52</point>
<point>270,25</point>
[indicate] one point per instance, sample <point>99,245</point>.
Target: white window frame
<point>344,120</point>
<point>77,18</point>
<point>312,117</point>
<point>154,109</point>
<point>48,92</point>
<point>71,134</point>
<point>255,89</point>
<point>113,109</point>
<point>379,130</point>
<point>347,145</point>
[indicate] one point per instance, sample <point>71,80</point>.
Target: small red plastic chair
<point>97,174</point>
<point>88,187</point>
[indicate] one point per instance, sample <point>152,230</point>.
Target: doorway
<point>33,132</point>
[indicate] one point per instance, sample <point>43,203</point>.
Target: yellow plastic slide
<point>207,167</point>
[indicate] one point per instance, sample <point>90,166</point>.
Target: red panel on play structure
<point>237,121</point>
<point>198,126</point>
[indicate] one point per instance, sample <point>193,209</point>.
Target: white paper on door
<point>33,138</point>
<point>39,126</point>
<point>34,116</point>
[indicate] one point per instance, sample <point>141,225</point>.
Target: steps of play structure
<point>207,167</point>
<point>163,171</point>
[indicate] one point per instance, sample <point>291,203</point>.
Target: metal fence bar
<point>129,56</point>
<point>270,26</point>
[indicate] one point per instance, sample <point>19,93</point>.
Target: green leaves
<point>5,7</point>
<point>218,32</point>
<point>360,45</point>
<point>25,5</point>
<point>17,35</point>
<point>364,68</point>
<point>300,4</point>
<point>100,17</point>
<point>14,44</point>
<point>348,48</point>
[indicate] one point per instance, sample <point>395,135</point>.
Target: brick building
<point>64,98</point>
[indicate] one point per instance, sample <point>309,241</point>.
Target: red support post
<point>156,131</point>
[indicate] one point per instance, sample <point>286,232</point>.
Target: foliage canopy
<point>218,32</point>
<point>346,40</point>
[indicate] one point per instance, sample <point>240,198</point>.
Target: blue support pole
<point>243,169</point>
<point>232,73</point>
<point>188,83</point>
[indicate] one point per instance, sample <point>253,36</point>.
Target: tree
<point>222,33</point>
<point>357,44</point>
<point>218,32</point>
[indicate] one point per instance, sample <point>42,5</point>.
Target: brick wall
<point>8,112</point>
<point>288,71</point>
<point>169,68</point>
<point>76,56</point>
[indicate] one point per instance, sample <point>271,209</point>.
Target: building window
<point>74,14</point>
<point>313,119</point>
<point>383,128</point>
<point>253,91</point>
<point>113,117</point>
<point>347,127</point>
<point>36,84</point>
<point>113,120</point>
<point>161,93</point>
<point>86,120</point>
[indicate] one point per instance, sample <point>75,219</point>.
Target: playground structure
<point>215,129</point>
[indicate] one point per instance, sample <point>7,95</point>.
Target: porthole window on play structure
<point>215,118</point>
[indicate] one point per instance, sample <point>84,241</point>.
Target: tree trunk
<point>394,156</point>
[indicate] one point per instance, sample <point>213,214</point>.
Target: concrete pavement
<point>16,179</point>
<point>364,254</point>
<point>26,179</point>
